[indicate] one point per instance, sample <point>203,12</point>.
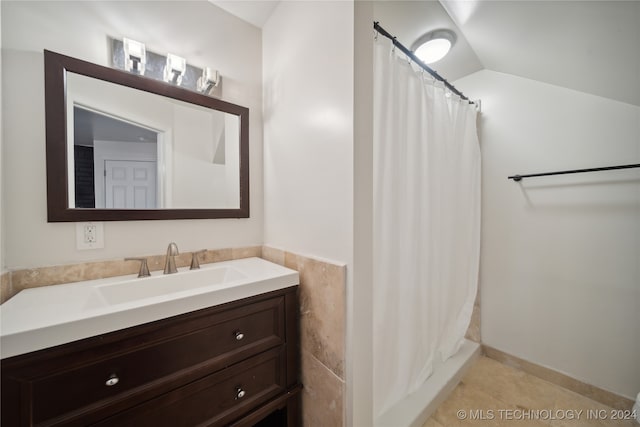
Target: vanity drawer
<point>215,400</point>
<point>105,379</point>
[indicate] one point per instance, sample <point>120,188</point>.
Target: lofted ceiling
<point>591,46</point>
<point>255,12</point>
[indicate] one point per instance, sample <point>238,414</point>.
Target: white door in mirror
<point>130,184</point>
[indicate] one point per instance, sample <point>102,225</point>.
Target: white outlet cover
<point>80,241</point>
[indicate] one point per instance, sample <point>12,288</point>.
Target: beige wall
<point>359,398</point>
<point>199,31</point>
<point>308,128</point>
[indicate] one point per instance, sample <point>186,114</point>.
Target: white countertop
<point>44,317</point>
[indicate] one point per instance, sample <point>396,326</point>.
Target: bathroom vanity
<point>232,363</point>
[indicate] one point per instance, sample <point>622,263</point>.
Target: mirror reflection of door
<point>115,162</point>
<point>130,184</point>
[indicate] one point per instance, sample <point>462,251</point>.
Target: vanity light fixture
<point>175,69</point>
<point>135,56</point>
<point>434,45</point>
<point>208,80</point>
<point>132,56</point>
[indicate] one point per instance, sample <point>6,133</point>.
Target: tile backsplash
<point>322,335</point>
<point>473,332</point>
<point>5,287</point>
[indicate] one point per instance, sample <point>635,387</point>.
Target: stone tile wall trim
<point>322,335</point>
<point>5,287</point>
<point>322,306</point>
<point>266,249</point>
<point>473,332</point>
<point>322,394</point>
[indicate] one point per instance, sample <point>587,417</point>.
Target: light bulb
<point>433,50</point>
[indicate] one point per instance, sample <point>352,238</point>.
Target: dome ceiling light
<point>434,45</point>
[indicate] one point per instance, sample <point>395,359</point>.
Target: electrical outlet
<point>89,235</point>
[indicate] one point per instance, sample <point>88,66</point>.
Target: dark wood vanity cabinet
<point>232,364</point>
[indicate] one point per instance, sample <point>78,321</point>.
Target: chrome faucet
<point>170,262</point>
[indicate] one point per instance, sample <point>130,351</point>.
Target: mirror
<point>125,147</point>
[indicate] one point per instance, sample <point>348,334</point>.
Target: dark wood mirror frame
<point>55,69</point>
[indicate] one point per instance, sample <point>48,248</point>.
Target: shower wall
<point>559,275</point>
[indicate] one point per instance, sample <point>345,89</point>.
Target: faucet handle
<point>195,264</point>
<point>144,268</point>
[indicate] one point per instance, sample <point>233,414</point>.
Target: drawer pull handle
<point>239,336</point>
<point>240,393</point>
<point>113,380</point>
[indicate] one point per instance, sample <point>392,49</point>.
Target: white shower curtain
<point>426,224</point>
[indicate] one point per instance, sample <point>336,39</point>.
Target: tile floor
<point>494,394</point>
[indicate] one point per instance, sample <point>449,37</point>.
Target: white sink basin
<point>154,286</point>
<point>43,317</point>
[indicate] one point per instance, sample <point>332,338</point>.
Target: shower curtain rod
<point>519,177</point>
<point>380,30</point>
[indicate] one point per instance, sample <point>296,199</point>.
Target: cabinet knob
<point>239,336</point>
<point>240,393</point>
<point>113,380</point>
